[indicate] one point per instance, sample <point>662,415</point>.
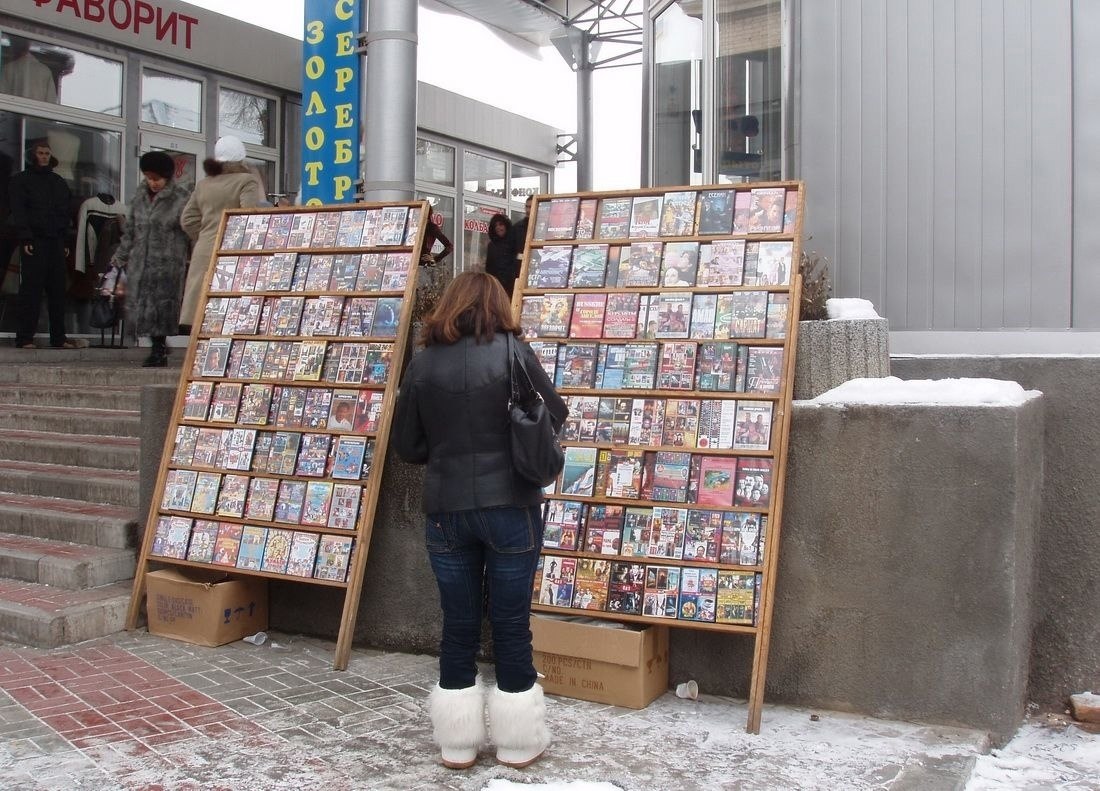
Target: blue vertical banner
<point>330,101</point>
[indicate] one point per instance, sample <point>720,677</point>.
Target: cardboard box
<point>205,607</point>
<point>622,667</point>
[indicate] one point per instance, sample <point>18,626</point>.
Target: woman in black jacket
<point>500,256</point>
<point>484,521</point>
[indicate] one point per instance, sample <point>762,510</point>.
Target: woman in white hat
<point>229,184</point>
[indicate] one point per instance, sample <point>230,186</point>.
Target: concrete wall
<point>156,413</point>
<point>1064,657</point>
<point>904,577</point>
<point>895,628</point>
<point>884,606</point>
<point>399,603</point>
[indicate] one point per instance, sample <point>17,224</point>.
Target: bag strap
<point>511,345</point>
<point>513,357</point>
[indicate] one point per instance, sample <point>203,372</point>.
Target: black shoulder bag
<point>106,310</point>
<point>536,453</point>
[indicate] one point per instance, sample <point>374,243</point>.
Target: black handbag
<point>536,452</point>
<point>106,310</point>
<point>105,314</point>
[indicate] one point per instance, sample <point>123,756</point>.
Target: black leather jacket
<point>452,414</point>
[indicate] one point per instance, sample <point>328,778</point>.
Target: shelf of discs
<point>666,319</point>
<point>273,458</point>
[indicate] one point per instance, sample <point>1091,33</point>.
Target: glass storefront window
<point>443,215</point>
<point>527,181</point>
<point>483,175</point>
<point>435,162</point>
<point>266,169</point>
<point>90,162</point>
<point>49,73</point>
<point>678,53</point>
<point>171,100</point>
<point>89,159</point>
<point>747,87</point>
<point>249,117</point>
<point>475,234</point>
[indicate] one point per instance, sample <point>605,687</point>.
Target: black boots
<point>158,357</point>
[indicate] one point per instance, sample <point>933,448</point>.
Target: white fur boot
<point>517,721</point>
<point>458,723</point>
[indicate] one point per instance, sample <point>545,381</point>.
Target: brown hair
<point>473,304</point>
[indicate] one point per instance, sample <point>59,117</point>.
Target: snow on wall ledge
<point>850,308</point>
<point>940,392</point>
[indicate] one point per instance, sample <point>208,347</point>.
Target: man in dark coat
<point>41,219</point>
<point>500,255</point>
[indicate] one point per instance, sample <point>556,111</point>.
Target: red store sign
<point>136,16</point>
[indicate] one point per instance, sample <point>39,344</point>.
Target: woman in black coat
<point>500,257</point>
<point>484,521</point>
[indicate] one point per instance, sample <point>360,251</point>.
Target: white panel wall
<point>1086,164</point>
<point>937,148</point>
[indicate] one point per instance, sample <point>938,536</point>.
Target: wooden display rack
<point>305,315</point>
<point>659,489</point>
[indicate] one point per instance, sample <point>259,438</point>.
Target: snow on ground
<point>705,740</point>
<point>576,785</point>
<point>1042,756</point>
<point>953,392</point>
<point>800,749</point>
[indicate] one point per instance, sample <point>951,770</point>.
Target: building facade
<point>947,148</point>
<point>104,82</point>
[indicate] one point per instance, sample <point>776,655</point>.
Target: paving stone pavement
<point>135,711</point>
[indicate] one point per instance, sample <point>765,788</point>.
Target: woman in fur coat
<point>154,251</point>
<point>229,184</point>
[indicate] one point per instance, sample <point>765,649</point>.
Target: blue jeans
<point>497,547</point>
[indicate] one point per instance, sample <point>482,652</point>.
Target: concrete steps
<point>110,487</point>
<point>46,617</point>
<point>87,375</point>
<point>71,420</point>
<point>126,398</point>
<point>69,455</point>
<point>69,520</point>
<point>78,450</point>
<point>63,564</point>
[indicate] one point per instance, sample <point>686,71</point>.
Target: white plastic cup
<point>688,690</point>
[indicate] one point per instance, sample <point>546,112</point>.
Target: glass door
<point>186,152</point>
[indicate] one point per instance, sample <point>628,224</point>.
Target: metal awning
<point>611,21</point>
<point>530,20</point>
<point>589,35</point>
